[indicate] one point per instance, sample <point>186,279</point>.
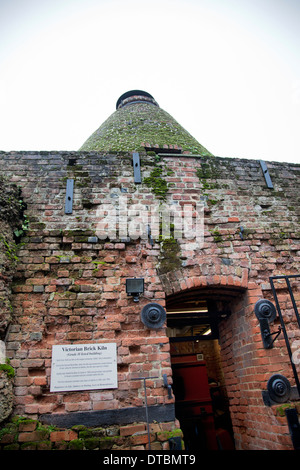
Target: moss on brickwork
<point>8,369</point>
<point>208,171</point>
<point>158,184</point>
<point>11,229</point>
<point>128,128</point>
<point>76,444</point>
<point>170,434</point>
<point>169,257</point>
<point>10,202</point>
<point>280,410</point>
<point>27,434</point>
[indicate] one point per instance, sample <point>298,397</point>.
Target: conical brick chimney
<point>138,124</point>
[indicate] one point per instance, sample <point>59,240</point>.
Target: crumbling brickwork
<point>10,221</point>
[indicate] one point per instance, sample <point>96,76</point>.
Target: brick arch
<point>184,279</point>
<point>239,337</point>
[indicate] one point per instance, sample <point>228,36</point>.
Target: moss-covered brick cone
<point>139,122</point>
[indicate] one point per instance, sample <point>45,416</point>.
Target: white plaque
<point>83,367</point>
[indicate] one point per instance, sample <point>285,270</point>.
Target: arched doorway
<point>201,401</point>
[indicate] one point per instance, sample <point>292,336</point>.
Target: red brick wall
<point>70,290</point>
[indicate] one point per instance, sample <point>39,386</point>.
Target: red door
<point>193,402</point>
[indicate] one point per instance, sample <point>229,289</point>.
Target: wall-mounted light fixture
<point>135,287</point>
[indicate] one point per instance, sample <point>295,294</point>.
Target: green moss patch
<point>8,369</point>
<point>158,185</point>
<point>129,127</point>
<point>169,257</point>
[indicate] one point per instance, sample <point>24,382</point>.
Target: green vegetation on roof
<point>131,126</point>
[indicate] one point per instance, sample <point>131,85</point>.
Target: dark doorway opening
<point>201,403</point>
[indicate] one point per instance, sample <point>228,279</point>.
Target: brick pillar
<point>247,367</point>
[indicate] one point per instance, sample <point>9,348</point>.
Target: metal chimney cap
<point>135,96</point>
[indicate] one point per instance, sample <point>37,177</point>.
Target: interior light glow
<point>207,332</point>
<point>204,310</point>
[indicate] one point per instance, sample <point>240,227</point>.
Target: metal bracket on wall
<point>136,168</point>
<point>265,312</point>
<point>167,386</point>
<point>283,327</point>
<point>146,405</point>
<point>69,197</point>
<point>294,426</point>
<point>175,443</point>
<point>266,174</point>
<point>149,235</point>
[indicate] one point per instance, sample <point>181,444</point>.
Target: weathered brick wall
<point>71,288</point>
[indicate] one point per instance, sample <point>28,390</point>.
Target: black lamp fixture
<point>135,287</point>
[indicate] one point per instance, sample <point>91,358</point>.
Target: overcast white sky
<point>227,70</point>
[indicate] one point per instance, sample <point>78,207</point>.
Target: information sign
<point>83,367</point>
